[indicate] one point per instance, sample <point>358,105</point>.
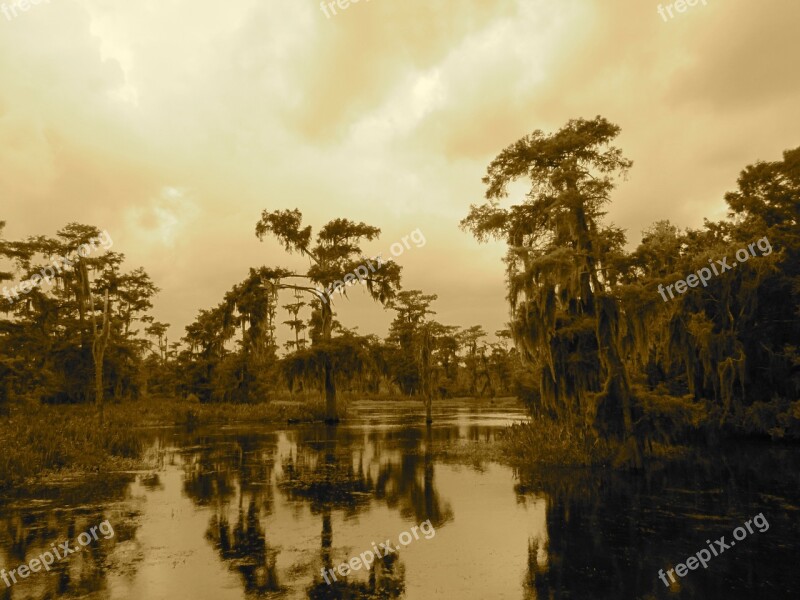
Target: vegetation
<point>334,257</point>
<point>554,443</point>
<point>607,368</point>
<point>608,353</point>
<point>43,440</point>
<point>49,345</point>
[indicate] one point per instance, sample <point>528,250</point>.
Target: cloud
<point>175,123</point>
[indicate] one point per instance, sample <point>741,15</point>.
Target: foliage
<point>334,257</point>
<point>45,439</point>
<point>48,338</point>
<point>558,263</point>
<point>600,359</point>
<point>600,344</point>
<point>554,443</point>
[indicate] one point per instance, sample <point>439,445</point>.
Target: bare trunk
<point>425,372</point>
<point>98,352</point>
<point>331,414</point>
<point>330,393</point>
<point>98,387</point>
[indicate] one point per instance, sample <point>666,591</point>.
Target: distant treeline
<point>229,353</point>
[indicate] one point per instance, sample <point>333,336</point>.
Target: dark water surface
<point>257,512</point>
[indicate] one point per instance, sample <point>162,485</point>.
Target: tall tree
<point>474,358</point>
<point>158,330</point>
<point>565,315</point>
<point>334,256</point>
<point>420,355</point>
<point>412,308</point>
<point>99,344</point>
<point>50,337</point>
<point>6,360</point>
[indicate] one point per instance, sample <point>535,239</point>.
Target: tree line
<point>590,342</point>
<point>51,337</point>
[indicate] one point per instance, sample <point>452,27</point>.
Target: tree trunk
<point>617,388</point>
<point>98,352</point>
<point>425,372</point>
<point>616,402</point>
<point>630,452</point>
<point>98,387</point>
<point>331,414</point>
<point>5,393</point>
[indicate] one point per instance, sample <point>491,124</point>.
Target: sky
<point>172,124</point>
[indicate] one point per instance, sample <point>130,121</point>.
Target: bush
<point>548,442</point>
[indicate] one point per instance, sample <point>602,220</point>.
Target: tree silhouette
<point>334,257</point>
<point>565,316</point>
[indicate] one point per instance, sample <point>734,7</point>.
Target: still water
<point>257,512</point>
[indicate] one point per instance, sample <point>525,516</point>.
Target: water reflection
<point>245,547</point>
<point>609,534</point>
<point>258,513</point>
<point>321,470</point>
<point>360,483</point>
<point>567,534</point>
<point>27,530</point>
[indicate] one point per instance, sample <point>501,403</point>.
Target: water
<point>257,512</point>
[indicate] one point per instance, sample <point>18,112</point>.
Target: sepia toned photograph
<point>399,299</point>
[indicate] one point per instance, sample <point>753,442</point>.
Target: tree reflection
<point>328,467</point>
<point>323,473</point>
<point>27,535</point>
<point>216,473</point>
<point>400,487</point>
<point>220,471</point>
<point>245,548</point>
<point>610,533</point>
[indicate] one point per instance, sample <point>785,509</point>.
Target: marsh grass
<point>160,411</point>
<point>43,439</point>
<point>550,443</point>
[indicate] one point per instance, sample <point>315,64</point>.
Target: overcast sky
<point>173,123</point>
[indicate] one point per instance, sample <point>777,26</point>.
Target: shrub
<point>548,442</point>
